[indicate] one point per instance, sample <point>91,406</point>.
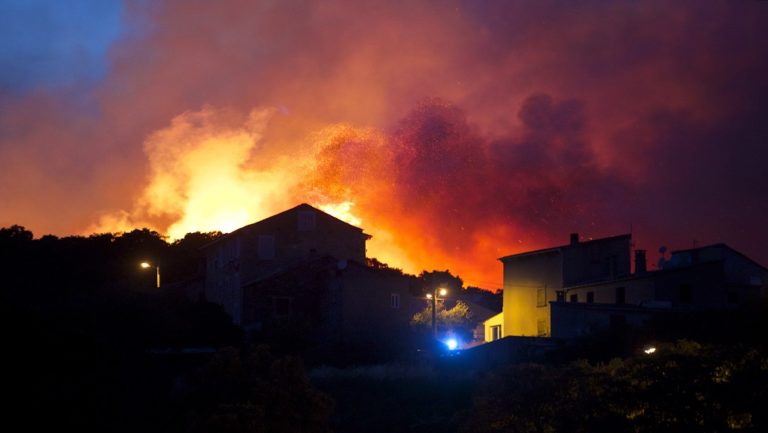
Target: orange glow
<point>343,212</point>
<point>528,134</point>
<point>205,175</point>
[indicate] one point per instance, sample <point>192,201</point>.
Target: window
<point>686,294</point>
<point>574,297</point>
<point>495,332</point>
<point>266,247</point>
<point>306,220</point>
<point>541,327</point>
<point>621,295</point>
<point>394,300</point>
<point>281,307</point>
<point>590,297</point>
<point>541,297</point>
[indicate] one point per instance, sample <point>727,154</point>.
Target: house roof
<point>723,246</point>
<point>561,247</point>
<point>302,206</point>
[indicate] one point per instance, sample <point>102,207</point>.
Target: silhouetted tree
<point>457,320</point>
<point>15,233</point>
<point>441,279</point>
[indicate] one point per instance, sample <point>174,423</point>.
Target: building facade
<point>533,280</point>
<point>582,287</point>
<point>279,242</point>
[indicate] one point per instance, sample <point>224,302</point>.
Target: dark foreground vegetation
<point>90,345</point>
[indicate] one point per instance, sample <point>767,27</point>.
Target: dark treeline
<point>92,345</point>
<point>603,383</point>
<point>684,386</point>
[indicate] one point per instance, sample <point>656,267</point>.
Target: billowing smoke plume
<point>454,132</point>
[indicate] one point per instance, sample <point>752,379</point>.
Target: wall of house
<point>223,278</point>
<point>497,320</point>
<point>596,260</point>
<point>368,308</point>
<point>638,290</point>
<point>294,242</point>
<point>530,283</point>
<point>575,320</point>
<point>743,272</point>
<point>702,285</point>
<point>692,284</point>
<point>294,236</point>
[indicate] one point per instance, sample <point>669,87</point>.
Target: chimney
<point>640,266</point>
<point>574,238</point>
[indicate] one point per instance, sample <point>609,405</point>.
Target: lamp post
<point>147,265</point>
<point>433,297</point>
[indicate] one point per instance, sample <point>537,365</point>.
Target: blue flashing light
<point>452,343</point>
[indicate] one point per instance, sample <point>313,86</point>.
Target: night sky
<point>454,132</point>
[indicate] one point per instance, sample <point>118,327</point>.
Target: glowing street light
<point>147,265</point>
<point>433,297</point>
<point>649,350</point>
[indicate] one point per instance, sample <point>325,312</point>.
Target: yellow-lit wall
<point>523,277</point>
<point>493,321</point>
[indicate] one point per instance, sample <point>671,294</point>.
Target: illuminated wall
<point>497,320</point>
<point>532,280</point>
<point>530,283</point>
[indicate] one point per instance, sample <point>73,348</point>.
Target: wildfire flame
<point>204,175</point>
<point>419,190</point>
<point>342,211</point>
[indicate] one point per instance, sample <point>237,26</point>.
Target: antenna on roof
<point>662,261</point>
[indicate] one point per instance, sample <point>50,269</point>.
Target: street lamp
<point>433,297</point>
<point>147,265</point>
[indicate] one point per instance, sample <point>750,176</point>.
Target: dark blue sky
<point>54,43</point>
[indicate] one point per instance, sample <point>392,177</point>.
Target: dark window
<point>541,298</point>
<point>686,294</point>
<point>394,300</point>
<point>621,295</point>
<point>560,295</point>
<point>574,297</point>
<point>495,332</point>
<point>306,220</point>
<point>282,307</point>
<point>590,297</point>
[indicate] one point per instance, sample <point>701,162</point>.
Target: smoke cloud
<point>453,132</point>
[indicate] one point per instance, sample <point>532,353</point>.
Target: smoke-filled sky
<point>454,132</point>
